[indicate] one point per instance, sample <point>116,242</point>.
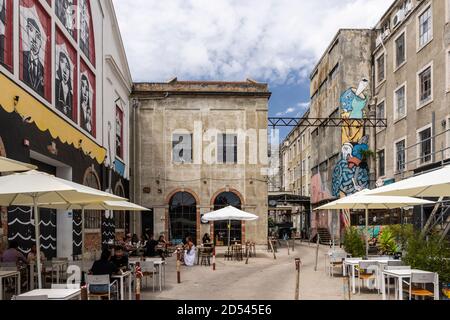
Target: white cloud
<point>268,40</point>
<point>299,109</point>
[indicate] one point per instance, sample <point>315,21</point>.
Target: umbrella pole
<point>38,241</point>
<point>229,234</point>
<point>367,231</point>
<point>82,239</point>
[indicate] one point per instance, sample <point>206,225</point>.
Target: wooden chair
<point>367,271</point>
<point>205,256</point>
<point>422,279</point>
<point>336,261</point>
<point>101,280</point>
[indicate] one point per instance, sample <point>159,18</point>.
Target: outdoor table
<point>353,262</point>
<point>399,276</point>
<point>6,275</point>
<point>55,294</point>
<point>121,277</point>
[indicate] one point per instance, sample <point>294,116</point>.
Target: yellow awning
<point>45,119</point>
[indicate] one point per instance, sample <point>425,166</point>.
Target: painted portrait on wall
<point>66,11</point>
<point>6,30</point>
<point>86,31</point>
<point>87,100</point>
<point>35,47</point>
<point>65,77</point>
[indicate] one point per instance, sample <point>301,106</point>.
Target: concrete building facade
<point>340,88</point>
<point>412,89</point>
<point>198,147</point>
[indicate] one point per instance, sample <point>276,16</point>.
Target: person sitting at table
<point>162,244</point>
<point>104,267</point>
<point>13,254</point>
<point>150,248</point>
<point>31,258</point>
<point>189,253</point>
<point>120,259</point>
<point>134,239</point>
<point>206,239</point>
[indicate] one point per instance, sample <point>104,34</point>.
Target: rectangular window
<point>182,148</point>
<point>400,102</point>
<point>6,34</point>
<point>400,151</point>
<point>380,69</point>
<point>400,50</point>
<point>381,111</point>
<point>334,72</point>
<point>119,132</point>
<point>425,86</point>
<point>425,27</point>
<point>227,148</point>
<point>381,164</point>
<point>425,145</point>
<point>448,68</point>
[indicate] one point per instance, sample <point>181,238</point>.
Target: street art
<point>351,173</point>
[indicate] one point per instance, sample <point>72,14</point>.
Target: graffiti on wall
<point>351,173</point>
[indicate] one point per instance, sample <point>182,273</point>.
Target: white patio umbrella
<point>35,189</point>
<point>228,214</point>
<point>9,165</point>
<point>102,205</point>
<point>432,184</point>
<point>363,201</point>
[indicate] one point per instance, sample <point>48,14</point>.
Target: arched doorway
<point>223,200</point>
<point>182,217</point>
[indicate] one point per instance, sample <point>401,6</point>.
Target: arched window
<point>223,200</point>
<point>93,218</point>
<point>182,217</point>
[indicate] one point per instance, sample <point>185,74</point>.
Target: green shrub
<point>401,234</point>
<point>387,243</point>
<point>354,242</point>
<point>429,254</point>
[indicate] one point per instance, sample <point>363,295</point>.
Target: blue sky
<point>272,41</point>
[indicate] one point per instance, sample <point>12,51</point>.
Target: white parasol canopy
<point>363,201</point>
<point>36,189</point>
<point>432,184</point>
<point>9,165</point>
<point>228,214</point>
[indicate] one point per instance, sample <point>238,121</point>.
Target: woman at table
<point>189,253</point>
<point>104,267</point>
<point>206,239</point>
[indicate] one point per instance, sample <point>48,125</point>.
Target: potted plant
<point>354,242</point>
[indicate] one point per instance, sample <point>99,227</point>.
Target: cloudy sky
<point>273,41</point>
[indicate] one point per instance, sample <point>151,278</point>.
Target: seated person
<point>206,240</point>
<point>189,253</point>
<point>32,255</point>
<point>103,267</point>
<point>120,258</point>
<point>150,248</point>
<point>13,254</point>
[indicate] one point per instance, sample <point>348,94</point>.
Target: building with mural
<point>64,106</point>
<point>200,146</point>
<point>340,88</point>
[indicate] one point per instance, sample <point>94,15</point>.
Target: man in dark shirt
<point>120,259</point>
<point>151,247</point>
<point>104,267</point>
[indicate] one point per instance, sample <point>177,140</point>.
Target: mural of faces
<point>84,28</point>
<point>2,29</point>
<point>35,28</point>
<point>66,13</point>
<point>64,78</point>
<point>87,104</point>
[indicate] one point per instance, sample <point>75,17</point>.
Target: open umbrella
<point>227,214</point>
<point>363,201</point>
<point>102,205</point>
<point>432,184</point>
<point>9,165</point>
<point>36,188</point>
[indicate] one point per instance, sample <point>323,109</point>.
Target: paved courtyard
<point>262,279</point>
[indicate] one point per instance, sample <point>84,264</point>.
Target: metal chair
<point>367,271</point>
<point>148,270</point>
<point>103,281</point>
<point>422,279</point>
<point>336,260</point>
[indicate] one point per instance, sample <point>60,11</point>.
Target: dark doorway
<point>147,222</point>
<point>223,200</point>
